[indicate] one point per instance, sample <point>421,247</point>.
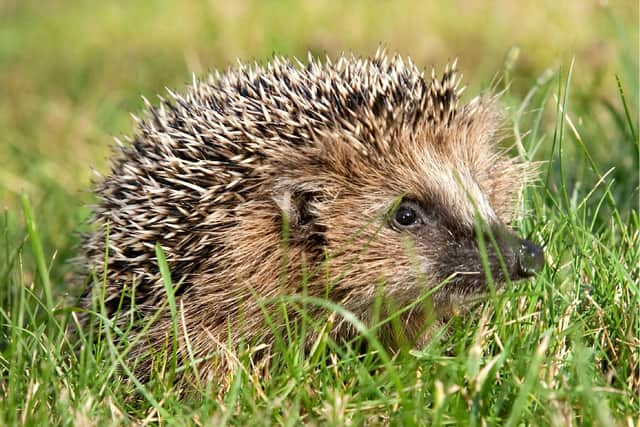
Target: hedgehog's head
<point>402,196</point>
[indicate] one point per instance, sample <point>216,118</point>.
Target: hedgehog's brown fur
<point>329,148</point>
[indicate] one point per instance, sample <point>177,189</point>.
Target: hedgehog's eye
<point>405,216</point>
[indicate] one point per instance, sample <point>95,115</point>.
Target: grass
<point>561,349</point>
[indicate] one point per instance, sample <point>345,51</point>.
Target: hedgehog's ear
<point>298,206</point>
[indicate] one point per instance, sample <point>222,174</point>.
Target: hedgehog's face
<point>454,211</point>
<point>420,237</point>
<point>446,249</point>
<point>427,214</point>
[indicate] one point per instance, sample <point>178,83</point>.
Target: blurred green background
<point>72,71</point>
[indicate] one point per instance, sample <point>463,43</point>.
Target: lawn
<point>560,349</point>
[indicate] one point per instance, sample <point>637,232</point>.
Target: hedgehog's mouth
<point>462,290</point>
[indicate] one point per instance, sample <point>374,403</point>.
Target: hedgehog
<point>345,180</point>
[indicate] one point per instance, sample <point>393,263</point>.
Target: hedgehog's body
<point>374,174</point>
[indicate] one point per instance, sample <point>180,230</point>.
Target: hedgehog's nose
<point>525,258</point>
<point>529,258</point>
